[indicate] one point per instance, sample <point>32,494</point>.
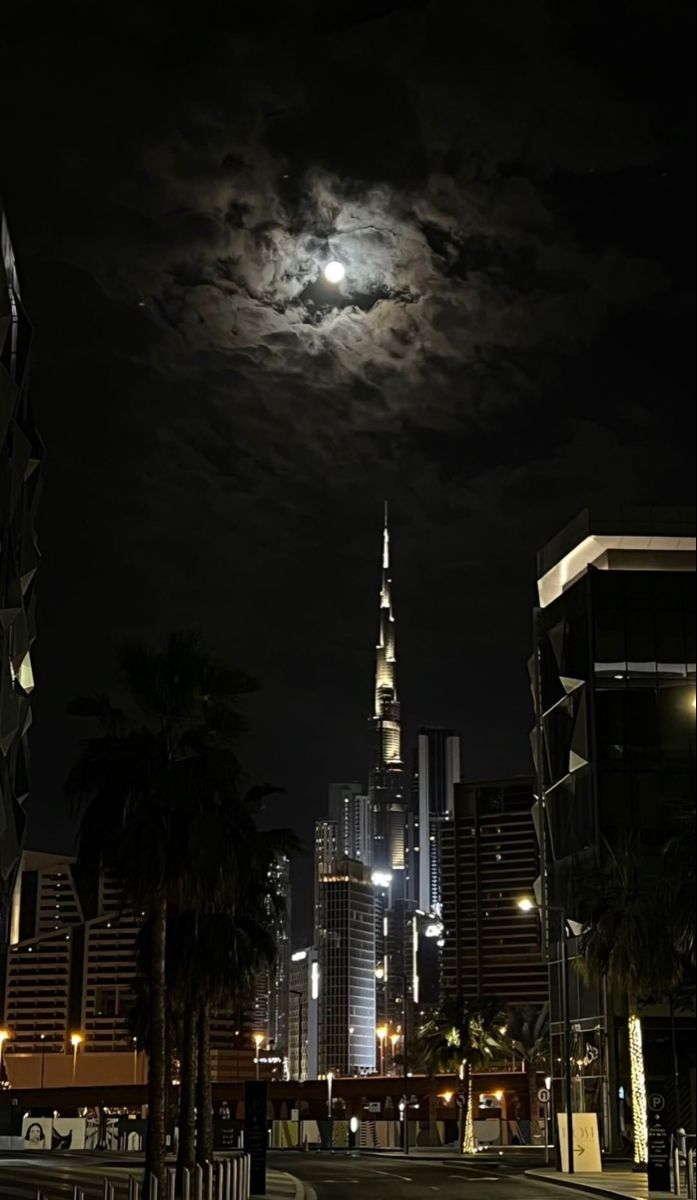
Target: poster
<point>69,1133</point>
<point>37,1133</point>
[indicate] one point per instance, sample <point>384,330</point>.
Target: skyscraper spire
<point>386,788</point>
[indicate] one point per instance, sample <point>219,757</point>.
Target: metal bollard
<point>691,1174</point>
<point>78,1194</point>
<point>186,1184</point>
<point>233,1193</point>
<point>198,1182</point>
<point>209,1181</point>
<point>153,1188</point>
<point>133,1188</point>
<point>677,1174</point>
<point>108,1190</point>
<point>220,1181</point>
<point>227,1169</point>
<point>171,1183</point>
<point>246,1177</point>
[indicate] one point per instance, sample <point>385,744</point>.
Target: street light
<point>527,905</point>
<point>257,1038</point>
<point>330,1108</point>
<point>381,1033</point>
<point>75,1041</point>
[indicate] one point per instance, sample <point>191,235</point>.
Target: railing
<point>684,1168</point>
<point>226,1179</point>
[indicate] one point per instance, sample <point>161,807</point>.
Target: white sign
<point>37,1133</point>
<point>587,1156</point>
<point>543,1096</point>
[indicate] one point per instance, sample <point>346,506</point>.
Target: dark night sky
<point>511,191</point>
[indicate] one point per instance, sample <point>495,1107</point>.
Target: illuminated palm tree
<point>628,942</point>
<point>463,1037</point>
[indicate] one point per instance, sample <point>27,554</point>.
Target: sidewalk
<point>614,1181</point>
<point>281,1186</point>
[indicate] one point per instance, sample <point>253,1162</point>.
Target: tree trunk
<point>535,1129</point>
<point>186,1157</point>
<point>204,1139</point>
<point>157,1074</point>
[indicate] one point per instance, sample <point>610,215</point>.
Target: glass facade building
<point>613,676</point>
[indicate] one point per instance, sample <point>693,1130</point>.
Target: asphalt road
<point>337,1177</point>
<point>23,1175</point>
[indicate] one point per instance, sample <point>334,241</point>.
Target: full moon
<point>334,272</point>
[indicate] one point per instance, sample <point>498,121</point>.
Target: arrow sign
<point>579,1150</point>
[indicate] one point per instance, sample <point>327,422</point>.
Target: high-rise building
<point>272,997</point>
<point>386,780</point>
<point>346,956</point>
<point>303,1028</point>
<point>20,454</point>
<point>491,861</point>
<point>72,962</point>
<point>326,842</point>
<point>350,811</point>
<point>436,772</point>
<point>613,676</point>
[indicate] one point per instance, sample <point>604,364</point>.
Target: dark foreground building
<point>490,861</point>
<point>20,453</point>
<point>613,676</point>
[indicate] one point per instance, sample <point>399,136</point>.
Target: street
<point>333,1177</point>
<point>338,1177</point>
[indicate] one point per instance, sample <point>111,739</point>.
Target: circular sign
<point>657,1102</point>
<point>543,1096</point>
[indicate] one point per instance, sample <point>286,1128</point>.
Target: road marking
<point>390,1175</point>
<point>481,1178</point>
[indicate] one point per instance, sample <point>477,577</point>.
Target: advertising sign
<point>256,1133</point>
<point>659,1149</point>
<point>586,1143</point>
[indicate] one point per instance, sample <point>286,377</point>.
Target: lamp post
<point>258,1038</point>
<point>75,1042</point>
<point>330,1109</point>
<point>381,1033</point>
<point>527,905</point>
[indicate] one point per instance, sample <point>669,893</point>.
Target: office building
<point>350,812</point>
<point>71,965</point>
<point>386,787</point>
<point>272,997</point>
<point>20,455</point>
<point>436,772</point>
<point>303,1027</point>
<point>490,861</point>
<point>613,675</point>
<point>346,957</point>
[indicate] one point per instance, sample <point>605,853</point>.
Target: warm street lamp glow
<point>526,905</point>
<point>75,1040</point>
<point>334,272</point>
<point>447,1096</point>
<point>379,972</point>
<point>257,1038</point>
<point>5,1036</point>
<point>381,1032</point>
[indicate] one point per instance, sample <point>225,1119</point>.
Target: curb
<point>590,1189</point>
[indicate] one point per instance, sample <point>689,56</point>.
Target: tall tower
<point>386,781</point>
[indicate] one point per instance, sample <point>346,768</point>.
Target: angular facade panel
<point>20,454</point>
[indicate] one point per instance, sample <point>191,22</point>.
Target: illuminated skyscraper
<point>436,772</point>
<point>386,781</point>
<point>349,809</point>
<point>346,952</point>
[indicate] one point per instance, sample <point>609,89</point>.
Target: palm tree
<point>132,789</point>
<point>628,942</point>
<point>681,863</point>
<point>527,1035</point>
<point>463,1037</point>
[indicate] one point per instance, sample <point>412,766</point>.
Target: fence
<point>226,1179</point>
